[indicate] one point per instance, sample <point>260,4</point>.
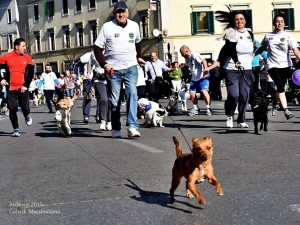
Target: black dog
<point>259,105</point>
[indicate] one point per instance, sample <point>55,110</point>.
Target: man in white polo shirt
<point>118,51</point>
<point>47,80</point>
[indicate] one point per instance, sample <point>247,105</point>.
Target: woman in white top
<point>236,61</point>
<point>277,44</point>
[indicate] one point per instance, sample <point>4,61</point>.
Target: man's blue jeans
<point>129,77</point>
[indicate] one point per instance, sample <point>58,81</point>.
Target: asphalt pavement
<point>90,178</point>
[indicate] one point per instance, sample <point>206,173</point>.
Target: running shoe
<point>103,125</point>
<point>243,125</point>
<point>116,134</point>
<point>28,120</point>
<point>132,132</point>
<point>16,133</point>
<point>208,112</point>
<point>229,122</point>
<point>194,112</point>
<point>288,114</point>
<point>275,108</point>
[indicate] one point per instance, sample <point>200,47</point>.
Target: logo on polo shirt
<point>131,35</point>
<point>282,39</point>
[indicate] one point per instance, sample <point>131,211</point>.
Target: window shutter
<point>211,25</point>
<point>249,23</point>
<point>275,12</point>
<point>194,23</point>
<point>291,19</point>
<point>46,9</point>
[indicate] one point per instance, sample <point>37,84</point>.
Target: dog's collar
<point>148,107</point>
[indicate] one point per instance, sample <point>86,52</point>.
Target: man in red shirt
<point>18,77</point>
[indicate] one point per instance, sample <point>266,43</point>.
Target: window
<point>9,20</point>
<point>67,37</point>
<point>288,15</point>
<point>78,6</point>
<point>144,23</point>
<point>49,9</point>
<point>10,41</point>
<point>51,38</point>
<point>39,68</point>
<point>114,1</point>
<point>93,30</point>
<point>37,40</point>
<point>92,4</point>
<point>79,28</point>
<point>36,16</point>
<point>54,67</point>
<point>65,7</point>
<point>203,22</point>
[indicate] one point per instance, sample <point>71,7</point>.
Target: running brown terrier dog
<point>195,167</point>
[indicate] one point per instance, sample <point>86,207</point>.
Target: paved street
<point>90,178</point>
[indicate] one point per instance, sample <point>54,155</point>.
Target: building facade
<point>59,32</point>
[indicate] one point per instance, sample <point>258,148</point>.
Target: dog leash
<point>242,74</point>
<point>182,134</point>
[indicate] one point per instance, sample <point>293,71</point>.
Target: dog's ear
<point>194,140</point>
<point>207,138</point>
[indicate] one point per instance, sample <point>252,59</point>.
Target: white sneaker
<point>236,111</point>
<point>103,125</point>
<point>194,112</point>
<point>132,132</point>
<point>116,134</point>
<point>229,122</point>
<point>28,120</point>
<point>243,125</point>
<point>16,133</point>
<point>108,126</point>
<point>208,112</point>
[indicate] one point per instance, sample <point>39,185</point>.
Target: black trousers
<point>103,111</point>
<point>14,99</point>
<point>86,103</point>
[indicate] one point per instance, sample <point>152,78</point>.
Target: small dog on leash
<point>157,118</point>
<point>152,112</point>
<point>184,95</point>
<point>195,167</point>
<point>259,105</point>
<point>63,122</point>
<point>172,107</point>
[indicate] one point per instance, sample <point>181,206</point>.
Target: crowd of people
<point>115,72</point>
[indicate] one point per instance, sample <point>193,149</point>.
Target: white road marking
<point>295,207</point>
<point>141,146</point>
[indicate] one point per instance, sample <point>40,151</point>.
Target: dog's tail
<point>177,147</point>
